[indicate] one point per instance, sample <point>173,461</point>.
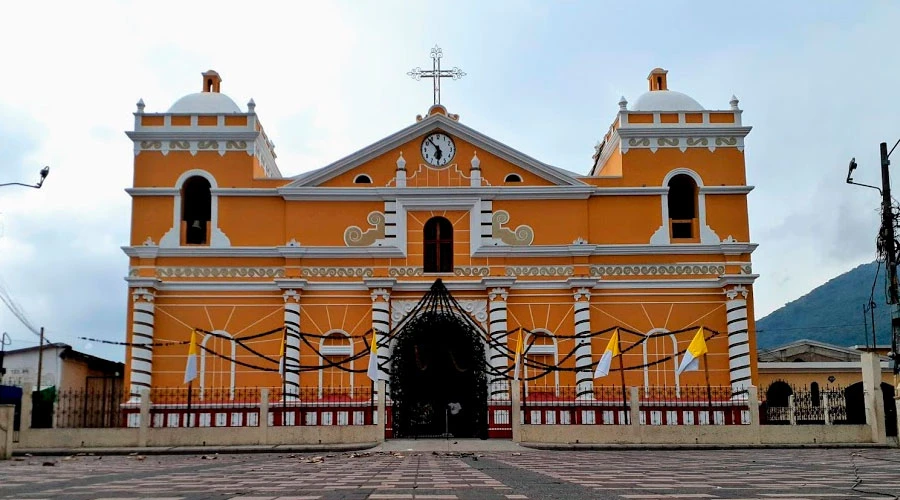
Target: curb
<point>648,446</point>
<point>196,450</point>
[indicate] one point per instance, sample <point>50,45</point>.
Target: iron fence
<point>89,408</point>
<point>783,404</point>
<point>310,406</point>
<point>567,405</point>
<point>693,405</point>
<point>202,407</point>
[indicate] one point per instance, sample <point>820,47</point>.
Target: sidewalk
<point>197,450</point>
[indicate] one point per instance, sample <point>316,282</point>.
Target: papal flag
<point>281,358</point>
<point>612,350</point>
<point>372,371</point>
<point>691,359</point>
<point>519,350</point>
<point>190,369</point>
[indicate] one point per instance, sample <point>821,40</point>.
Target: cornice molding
<point>412,193</point>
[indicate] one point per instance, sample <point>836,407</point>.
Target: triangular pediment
<point>547,174</point>
<point>809,351</point>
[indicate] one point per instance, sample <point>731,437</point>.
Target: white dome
<point>666,100</point>
<point>205,103</point>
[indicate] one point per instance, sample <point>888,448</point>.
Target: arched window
<point>815,394</point>
<point>541,354</point>
<point>513,178</point>
<point>217,371</point>
<point>683,206</point>
<point>196,210</point>
<point>362,179</point>
<point>438,245</point>
<point>335,377</point>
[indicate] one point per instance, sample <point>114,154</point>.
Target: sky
<point>815,79</point>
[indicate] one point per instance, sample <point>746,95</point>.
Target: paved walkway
<point>815,474</point>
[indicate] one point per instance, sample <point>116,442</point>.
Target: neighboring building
<point>62,368</point>
<point>804,362</point>
<point>815,368</point>
<point>652,236</point>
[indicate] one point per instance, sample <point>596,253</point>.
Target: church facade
<point>653,237</point>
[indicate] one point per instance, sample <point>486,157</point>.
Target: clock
<point>438,149</point>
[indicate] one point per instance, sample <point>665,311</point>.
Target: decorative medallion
<point>356,237</point>
<point>523,235</point>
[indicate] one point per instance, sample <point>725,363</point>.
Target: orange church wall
<point>151,216</point>
<point>726,214</point>
<point>152,169</point>
<point>253,221</point>
<point>324,222</point>
<point>624,219</point>
<point>722,167</point>
<point>383,168</point>
<point>558,222</point>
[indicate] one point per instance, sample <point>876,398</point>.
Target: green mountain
<point>831,313</point>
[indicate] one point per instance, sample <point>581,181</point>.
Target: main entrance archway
<point>438,382</point>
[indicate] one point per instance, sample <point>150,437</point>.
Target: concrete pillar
<point>826,408</point>
<point>515,412</point>
<point>291,344</point>
<point>634,404</point>
<point>584,377</point>
<point>382,410</point>
<point>792,410</point>
<point>25,418</point>
<point>264,407</point>
<point>7,420</point>
<point>753,406</point>
<point>141,333</point>
<point>144,430</point>
<point>499,389</point>
<point>381,324</point>
<point>871,372</point>
<point>738,338</point>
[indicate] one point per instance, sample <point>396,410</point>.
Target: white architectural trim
<point>472,205</point>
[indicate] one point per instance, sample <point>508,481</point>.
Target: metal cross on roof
<point>436,73</point>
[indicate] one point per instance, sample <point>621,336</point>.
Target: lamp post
<point>44,172</point>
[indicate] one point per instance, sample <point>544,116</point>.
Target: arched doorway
<point>890,409</point>
<point>438,382</point>
<point>856,404</point>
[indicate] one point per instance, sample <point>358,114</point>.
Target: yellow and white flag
<point>518,354</point>
<point>612,350</point>
<point>372,371</point>
<point>281,360</point>
<point>190,369</point>
<point>691,359</point>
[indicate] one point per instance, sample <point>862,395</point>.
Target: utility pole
<point>890,251</point>
<point>40,359</point>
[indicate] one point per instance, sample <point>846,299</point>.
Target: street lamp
<point>44,172</point>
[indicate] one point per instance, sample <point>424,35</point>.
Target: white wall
<point>21,367</point>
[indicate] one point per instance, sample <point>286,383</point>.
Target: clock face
<point>438,149</point>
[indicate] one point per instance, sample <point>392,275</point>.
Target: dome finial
<point>251,106</point>
<point>734,102</point>
<point>623,104</point>
<point>140,105</point>
<point>401,162</point>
